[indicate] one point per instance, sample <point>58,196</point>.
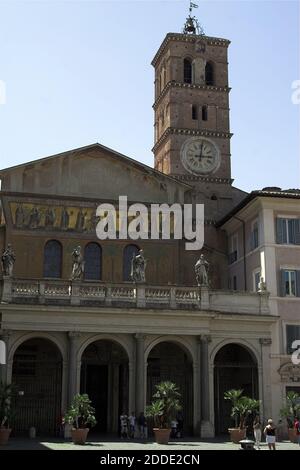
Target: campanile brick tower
<point>191,123</point>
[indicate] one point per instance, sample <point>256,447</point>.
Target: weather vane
<point>192,25</point>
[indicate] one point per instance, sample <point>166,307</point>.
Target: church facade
<point>114,339</point>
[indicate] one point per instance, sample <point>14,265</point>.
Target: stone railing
<point>97,294</point>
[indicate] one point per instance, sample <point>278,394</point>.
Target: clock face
<point>200,155</point>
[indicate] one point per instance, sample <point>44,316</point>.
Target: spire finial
<point>192,25</point>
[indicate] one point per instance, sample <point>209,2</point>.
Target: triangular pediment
<point>94,171</point>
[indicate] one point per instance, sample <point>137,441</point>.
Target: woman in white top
<point>270,433</point>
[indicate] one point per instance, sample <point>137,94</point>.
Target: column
<point>207,428</point>
<point>265,386</point>
<point>197,390</point>
<point>140,374</point>
<point>73,347</point>
<point>132,379</point>
<point>4,336</point>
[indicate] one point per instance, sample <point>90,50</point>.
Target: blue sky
<point>78,72</point>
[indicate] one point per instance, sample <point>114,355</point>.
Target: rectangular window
<point>194,113</point>
<point>234,283</point>
<point>290,283</point>
<point>233,249</point>
<point>292,334</point>
<point>288,231</point>
<point>204,113</point>
<point>254,236</point>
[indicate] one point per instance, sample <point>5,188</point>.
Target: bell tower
<point>191,111</point>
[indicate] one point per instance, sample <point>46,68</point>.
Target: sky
<point>79,72</point>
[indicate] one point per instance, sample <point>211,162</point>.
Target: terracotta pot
<point>79,435</point>
<point>162,436</point>
<point>4,436</point>
<point>237,434</point>
<point>293,435</point>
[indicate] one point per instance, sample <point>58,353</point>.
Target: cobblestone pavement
<point>105,445</point>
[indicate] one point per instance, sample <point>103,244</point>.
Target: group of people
<point>271,432</point>
<point>130,425</point>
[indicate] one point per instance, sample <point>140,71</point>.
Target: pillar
<point>4,336</point>
<point>73,370</point>
<point>207,428</point>
<point>265,376</point>
<point>140,374</point>
<point>197,391</point>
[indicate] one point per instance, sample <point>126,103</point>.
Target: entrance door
<point>37,378</point>
<point>234,369</point>
<point>96,388</point>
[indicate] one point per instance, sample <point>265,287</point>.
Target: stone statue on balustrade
<point>8,259</point>
<point>262,286</point>
<point>77,264</point>
<point>201,270</point>
<point>138,267</point>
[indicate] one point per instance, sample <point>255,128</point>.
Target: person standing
<point>179,419</point>
<point>297,428</point>
<point>270,433</point>
<point>124,425</point>
<point>257,431</point>
<point>142,425</point>
<point>132,420</point>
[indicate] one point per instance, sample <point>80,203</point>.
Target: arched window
<point>209,74</point>
<point>187,71</point>
<point>92,262</point>
<point>52,259</point>
<point>204,113</point>
<point>128,253</point>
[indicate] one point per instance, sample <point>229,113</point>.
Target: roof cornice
<point>187,38</point>
<point>292,194</point>
<point>181,131</point>
<point>191,86</point>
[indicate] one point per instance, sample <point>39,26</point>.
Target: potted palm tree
<point>163,410</point>
<point>80,415</point>
<point>5,412</point>
<point>241,407</point>
<point>291,411</point>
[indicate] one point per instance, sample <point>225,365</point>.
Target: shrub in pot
<point>81,415</point>
<point>241,407</point>
<point>5,412</point>
<point>291,411</point>
<point>163,410</point>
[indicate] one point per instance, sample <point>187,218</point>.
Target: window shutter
<point>280,231</point>
<point>292,232</point>
<point>297,231</point>
<point>298,284</point>
<point>282,291</point>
